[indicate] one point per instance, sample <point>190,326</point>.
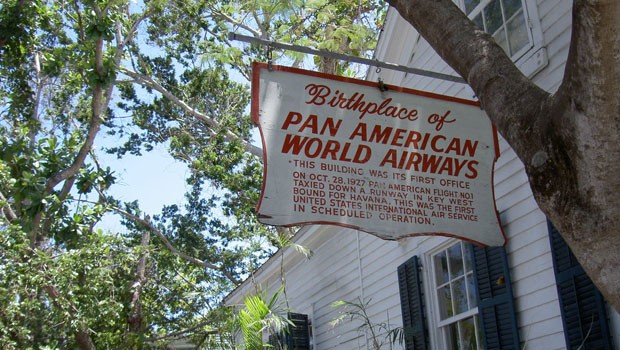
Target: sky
<point>154,179</point>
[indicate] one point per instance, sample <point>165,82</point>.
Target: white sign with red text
<point>393,163</point>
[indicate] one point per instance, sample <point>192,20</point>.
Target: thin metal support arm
<point>343,57</point>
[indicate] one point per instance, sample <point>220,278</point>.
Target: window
<point>505,20</point>
<point>458,297</point>
<point>455,293</point>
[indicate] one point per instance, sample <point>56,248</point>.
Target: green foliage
<point>261,314</point>
<point>380,334</point>
<point>46,297</point>
<point>331,25</point>
<point>152,73</point>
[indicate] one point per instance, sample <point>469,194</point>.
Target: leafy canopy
<point>146,74</point>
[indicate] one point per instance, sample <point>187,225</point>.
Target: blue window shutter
<point>582,305</point>
<point>294,337</point>
<point>412,305</point>
<point>498,317</point>
<point>298,337</point>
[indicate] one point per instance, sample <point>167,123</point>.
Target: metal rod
<point>398,67</point>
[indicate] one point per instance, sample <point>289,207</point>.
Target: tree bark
<point>84,340</point>
<point>135,320</point>
<point>82,336</point>
<point>568,141</point>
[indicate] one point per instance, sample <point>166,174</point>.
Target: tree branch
<point>181,332</point>
<point>84,340</point>
<point>80,22</point>
<point>99,104</point>
<point>511,100</point>
<point>591,99</point>
<point>37,95</point>
<point>135,317</point>
<point>263,32</point>
<point>217,13</point>
<point>173,249</point>
<point>132,31</point>
<point>81,336</point>
<point>6,209</point>
<point>568,140</point>
<point>229,136</point>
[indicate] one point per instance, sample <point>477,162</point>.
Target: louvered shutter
<point>495,300</point>
<point>297,337</point>
<point>294,337</point>
<point>412,304</point>
<point>582,305</point>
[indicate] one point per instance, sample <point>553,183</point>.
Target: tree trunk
<point>567,141</point>
<point>135,320</point>
<point>82,337</point>
<point>84,341</point>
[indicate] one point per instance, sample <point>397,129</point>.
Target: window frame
<point>438,328</point>
<point>532,58</point>
<point>477,10</point>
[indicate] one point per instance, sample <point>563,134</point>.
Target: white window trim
<point>436,337</point>
<point>531,11</point>
<point>530,63</point>
<point>461,316</point>
<point>530,33</point>
<point>436,326</point>
<point>533,58</point>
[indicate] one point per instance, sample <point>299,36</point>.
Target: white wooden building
<point>540,298</point>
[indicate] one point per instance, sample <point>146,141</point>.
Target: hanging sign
<point>394,163</point>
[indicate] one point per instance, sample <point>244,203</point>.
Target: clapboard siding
<point>527,262</point>
<point>514,189</point>
<point>537,257</point>
<point>322,284</point>
<point>538,323</point>
<point>547,6</point>
<point>426,58</point>
<point>505,174</point>
<point>544,335</point>
<point>348,264</point>
<point>530,236</point>
<point>323,281</point>
<point>506,166</point>
<point>544,300</point>
<point>534,282</point>
<point>558,32</point>
<point>400,44</point>
<point>553,20</point>
<point>532,275</point>
<point>557,52</point>
<point>518,210</point>
<point>556,20</point>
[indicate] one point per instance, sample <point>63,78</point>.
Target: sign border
<point>255,115</point>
